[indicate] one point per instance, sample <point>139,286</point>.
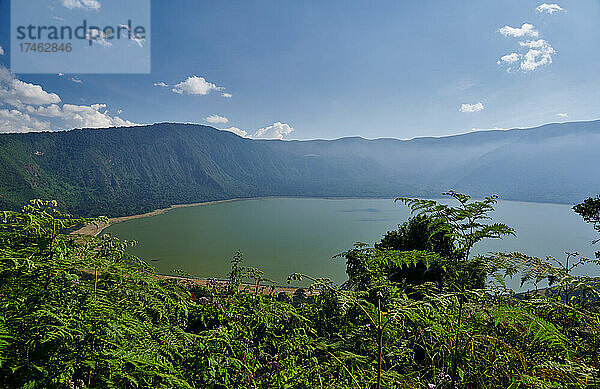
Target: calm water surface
<point>286,235</point>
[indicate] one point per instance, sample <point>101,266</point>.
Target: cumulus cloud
<point>161,84</point>
<point>275,131</point>
<point>85,116</point>
<point>50,111</point>
<point>12,120</point>
<point>227,95</point>
<point>539,54</point>
<point>1,51</point>
<point>216,119</point>
<point>470,108</point>
<point>97,36</point>
<point>81,116</point>
<point>526,30</point>
<point>133,36</point>
<point>18,93</point>
<point>237,131</point>
<point>88,5</point>
<point>562,115</point>
<point>31,108</point>
<point>195,85</point>
<point>509,58</point>
<point>549,8</point>
<point>489,129</point>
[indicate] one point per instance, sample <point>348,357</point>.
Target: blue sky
<point>328,69</point>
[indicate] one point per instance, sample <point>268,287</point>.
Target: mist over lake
<point>286,235</point>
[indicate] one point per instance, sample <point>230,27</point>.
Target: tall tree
<point>589,209</point>
<point>418,233</point>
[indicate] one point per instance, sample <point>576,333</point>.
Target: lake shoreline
<point>284,235</point>
<point>94,229</point>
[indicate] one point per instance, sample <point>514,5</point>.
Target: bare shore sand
<point>248,287</point>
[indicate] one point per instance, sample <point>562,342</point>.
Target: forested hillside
<point>120,171</point>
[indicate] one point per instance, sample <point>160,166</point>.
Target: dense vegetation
<point>123,171</point>
<point>80,312</point>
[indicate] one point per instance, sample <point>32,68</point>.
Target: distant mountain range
<point>120,171</point>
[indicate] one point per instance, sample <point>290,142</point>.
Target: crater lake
<point>287,235</point>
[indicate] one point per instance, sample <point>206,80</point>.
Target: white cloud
<point>1,51</point>
<point>97,36</point>
<point>216,119</point>
<point>489,129</point>
<point>549,8</point>
<point>16,121</point>
<point>526,30</point>
<point>90,117</point>
<point>539,54</point>
<point>30,93</point>
<point>138,39</point>
<point>18,93</point>
<point>509,58</point>
<point>87,5</point>
<point>470,108</point>
<point>227,95</point>
<point>133,36</point>
<point>237,131</point>
<point>195,85</point>
<point>30,103</point>
<point>81,116</point>
<point>562,115</point>
<point>161,84</point>
<point>275,131</point>
<point>49,111</point>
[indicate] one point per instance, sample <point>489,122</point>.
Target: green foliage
<point>418,233</point>
<point>432,247</point>
<point>589,210</point>
<point>464,224</point>
<point>80,312</point>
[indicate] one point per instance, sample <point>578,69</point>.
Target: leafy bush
<point>80,312</point>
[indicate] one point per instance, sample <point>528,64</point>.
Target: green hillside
<point>121,171</point>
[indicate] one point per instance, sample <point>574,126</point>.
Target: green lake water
<point>286,235</point>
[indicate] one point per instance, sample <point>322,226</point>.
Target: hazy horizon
<point>316,139</point>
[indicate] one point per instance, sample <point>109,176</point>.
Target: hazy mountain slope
<point>556,163</point>
<point>128,170</point>
<point>430,161</point>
